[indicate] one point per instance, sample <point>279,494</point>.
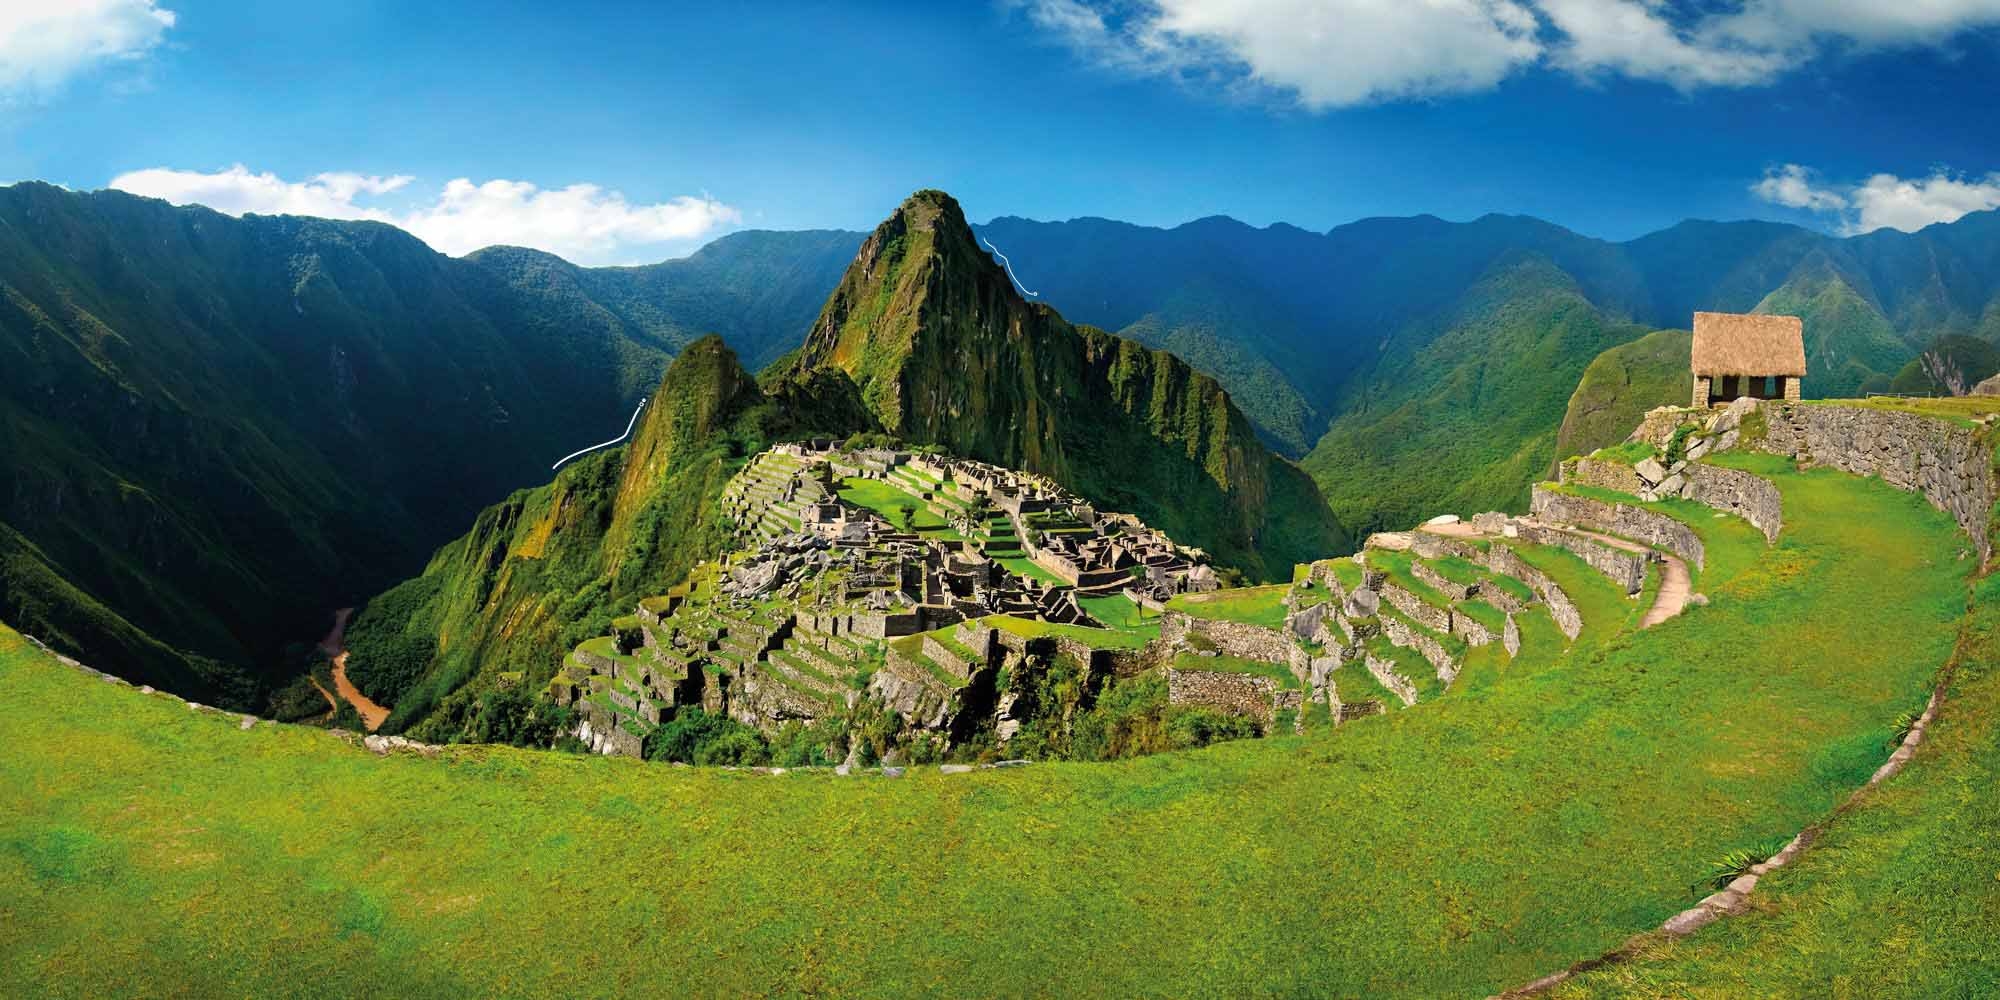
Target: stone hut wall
<point>1625,569</point>
<point>1949,463</point>
<point>1505,561</point>
<point>1239,694</point>
<point>1748,496</point>
<point>1619,519</point>
<point>1435,546</point>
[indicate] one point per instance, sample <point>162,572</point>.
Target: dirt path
<point>372,715</point>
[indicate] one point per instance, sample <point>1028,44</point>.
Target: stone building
<point>1736,355</point>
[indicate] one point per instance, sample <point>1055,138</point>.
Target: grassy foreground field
<point>1456,848</point>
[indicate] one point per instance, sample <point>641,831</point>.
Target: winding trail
<point>620,439</point>
<point>1010,269</point>
<point>372,715</point>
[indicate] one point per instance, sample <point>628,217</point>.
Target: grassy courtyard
<point>1535,818</point>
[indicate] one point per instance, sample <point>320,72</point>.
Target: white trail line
<point>620,439</point>
<point>1010,270</point>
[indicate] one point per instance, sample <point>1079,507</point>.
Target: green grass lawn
<point>1254,605</point>
<point>1023,566</point>
<point>1485,839</point>
<point>1120,613</point>
<point>888,501</point>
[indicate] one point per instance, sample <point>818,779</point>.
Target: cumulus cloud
<point>1793,186</point>
<point>1884,201</point>
<point>44,44</point>
<point>1337,53</point>
<point>1328,53</point>
<point>583,223</point>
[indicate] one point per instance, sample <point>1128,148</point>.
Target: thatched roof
<point>1739,344</point>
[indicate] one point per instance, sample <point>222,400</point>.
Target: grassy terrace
<point>1253,605</point>
<point>889,502</point>
<point>1967,410</point>
<point>1096,638</point>
<point>1238,665</point>
<point>1521,824</point>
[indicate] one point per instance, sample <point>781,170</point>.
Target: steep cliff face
<point>942,349</point>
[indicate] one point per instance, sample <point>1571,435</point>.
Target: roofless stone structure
<point>1736,355</point>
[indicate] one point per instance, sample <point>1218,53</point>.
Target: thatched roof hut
<point>1743,344</point>
<point>1736,354</point>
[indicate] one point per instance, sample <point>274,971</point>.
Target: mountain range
<point>218,429</point>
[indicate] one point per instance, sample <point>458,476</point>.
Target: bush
<point>693,736</point>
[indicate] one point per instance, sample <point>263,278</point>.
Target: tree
<point>908,512</point>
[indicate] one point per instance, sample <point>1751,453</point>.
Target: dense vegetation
<point>1620,385</point>
<point>1541,813</point>
<point>217,430</point>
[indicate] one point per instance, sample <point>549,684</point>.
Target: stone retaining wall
<point>1474,633</point>
<point>1619,519</point>
<point>1427,646</point>
<point>1251,642</point>
<point>1732,491</point>
<point>1439,582</point>
<point>1420,611</point>
<point>1603,475</point>
<point>1385,674</point>
<point>1510,638</point>
<point>1949,463</point>
<point>1505,561</point>
<point>1238,694</point>
<point>1625,569</point>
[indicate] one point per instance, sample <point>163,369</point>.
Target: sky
<point>625,133</point>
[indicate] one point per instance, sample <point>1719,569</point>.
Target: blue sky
<point>618,133</point>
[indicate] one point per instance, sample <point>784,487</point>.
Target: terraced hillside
<point>1523,814</point>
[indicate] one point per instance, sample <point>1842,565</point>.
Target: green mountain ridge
<point>924,340</point>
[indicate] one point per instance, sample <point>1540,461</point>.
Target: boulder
<point>954,768</point>
<point>1671,486</point>
<point>1990,387</point>
<point>1650,470</point>
<point>1442,519</point>
<point>892,772</point>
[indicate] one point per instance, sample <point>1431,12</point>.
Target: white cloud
<point>1883,201</point>
<point>1327,53</point>
<point>1335,53</point>
<point>44,43</point>
<point>1793,187</point>
<point>1909,205</point>
<point>583,222</point>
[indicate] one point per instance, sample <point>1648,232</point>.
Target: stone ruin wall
<point>1604,475</point>
<point>1503,560</point>
<point>1625,569</point>
<point>1438,582</point>
<point>1251,642</point>
<point>1750,497</point>
<point>1951,464</point>
<point>1618,519</point>
<point>1433,651</point>
<point>1239,694</point>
